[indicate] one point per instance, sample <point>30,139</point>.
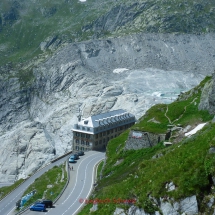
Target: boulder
<point>189,205</point>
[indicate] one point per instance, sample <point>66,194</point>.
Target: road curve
<point>7,205</point>
<point>79,187</point>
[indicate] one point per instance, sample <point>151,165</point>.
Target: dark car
<point>38,207</point>
<point>80,153</point>
<point>76,156</point>
<point>48,203</point>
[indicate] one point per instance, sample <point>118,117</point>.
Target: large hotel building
<point>94,132</point>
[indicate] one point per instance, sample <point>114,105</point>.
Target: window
<point>77,134</point>
<point>77,141</point>
<point>87,143</point>
<point>82,142</point>
<point>96,143</point>
<point>100,141</point>
<point>82,135</point>
<point>87,136</point>
<point>77,148</point>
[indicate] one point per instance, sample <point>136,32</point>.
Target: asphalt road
<point>8,204</point>
<point>79,188</point>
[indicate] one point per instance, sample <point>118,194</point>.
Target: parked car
<point>76,156</point>
<point>72,159</point>
<point>48,203</point>
<point>80,153</point>
<point>38,207</point>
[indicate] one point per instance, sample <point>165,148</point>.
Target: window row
<point>83,142</point>
<point>77,134</point>
<point>77,148</point>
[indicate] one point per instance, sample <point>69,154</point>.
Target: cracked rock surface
<point>132,73</point>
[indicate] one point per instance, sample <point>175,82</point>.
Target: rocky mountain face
<point>38,107</point>
<point>208,97</point>
<point>26,25</point>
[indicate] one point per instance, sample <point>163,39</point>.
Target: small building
<point>94,132</point>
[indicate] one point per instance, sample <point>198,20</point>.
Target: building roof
<point>105,118</point>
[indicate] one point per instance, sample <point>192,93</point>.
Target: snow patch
<point>120,70</point>
<point>197,128</point>
<point>158,94</point>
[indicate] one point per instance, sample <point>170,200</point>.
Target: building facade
<point>93,133</point>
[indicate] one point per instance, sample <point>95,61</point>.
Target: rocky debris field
<point>37,113</point>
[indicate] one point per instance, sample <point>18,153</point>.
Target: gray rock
<point>170,186</point>
<point>207,101</point>
<point>189,205</point>
<point>211,202</point>
<point>212,150</point>
<point>168,209</point>
<point>157,156</point>
<point>138,140</point>
<point>187,128</point>
<point>38,107</point>
<point>119,211</point>
<point>94,208</point>
<point>133,210</point>
<point>50,43</point>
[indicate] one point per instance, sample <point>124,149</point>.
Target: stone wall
<point>140,139</point>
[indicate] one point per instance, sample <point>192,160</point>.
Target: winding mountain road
<point>8,204</point>
<point>78,189</point>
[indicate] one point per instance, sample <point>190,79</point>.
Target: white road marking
<point>89,190</point>
<point>81,189</point>
<point>11,210</point>
<point>76,178</point>
<point>76,183</point>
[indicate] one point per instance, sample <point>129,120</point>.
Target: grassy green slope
<point>20,40</point>
<point>31,23</point>
<point>134,174</point>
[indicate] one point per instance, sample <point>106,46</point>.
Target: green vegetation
<point>137,174</point>
<point>28,24</point>
<point>6,190</point>
<point>20,40</point>
<point>181,112</point>
<point>56,177</point>
<point>99,169</point>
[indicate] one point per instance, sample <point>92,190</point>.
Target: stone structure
<point>93,133</point>
<point>140,139</point>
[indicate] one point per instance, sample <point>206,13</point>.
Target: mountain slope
<point>27,26</point>
<point>159,178</point>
